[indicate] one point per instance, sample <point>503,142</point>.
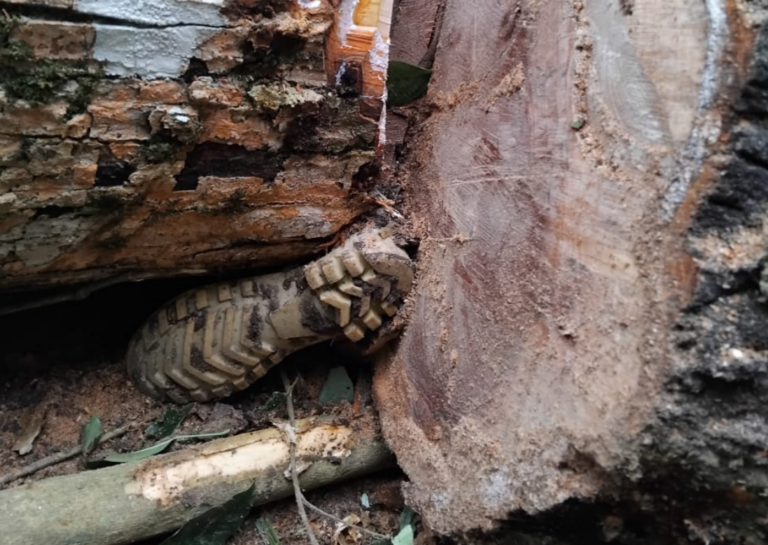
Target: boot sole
<point>213,341</point>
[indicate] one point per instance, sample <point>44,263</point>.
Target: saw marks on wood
<point>526,367</point>
<point>667,38</point>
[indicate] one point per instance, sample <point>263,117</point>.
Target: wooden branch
<point>57,458</point>
<point>127,503</point>
<point>294,471</point>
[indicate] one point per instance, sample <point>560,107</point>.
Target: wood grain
<point>537,337</point>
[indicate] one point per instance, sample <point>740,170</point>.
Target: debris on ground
<point>90,436</point>
<point>267,531</point>
<point>31,426</point>
<point>217,525</point>
<point>157,448</point>
<point>76,391</point>
<point>172,419</point>
<point>338,387</point>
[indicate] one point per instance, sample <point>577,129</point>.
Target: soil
<point>69,359</point>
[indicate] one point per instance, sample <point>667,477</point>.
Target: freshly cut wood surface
<point>557,175</point>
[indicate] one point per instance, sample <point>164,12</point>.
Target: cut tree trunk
<point>127,503</point>
<point>179,137</point>
<point>588,181</point>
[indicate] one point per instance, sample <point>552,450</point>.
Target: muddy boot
<point>215,340</point>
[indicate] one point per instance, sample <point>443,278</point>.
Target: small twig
<point>57,458</point>
<point>301,501</point>
<point>334,518</point>
<point>295,474</point>
<point>75,295</point>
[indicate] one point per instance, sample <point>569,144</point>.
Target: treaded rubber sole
<point>221,338</point>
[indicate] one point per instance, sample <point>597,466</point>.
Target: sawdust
<point>446,101</point>
<point>511,84</point>
<point>71,396</point>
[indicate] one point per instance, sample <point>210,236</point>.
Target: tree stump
<point>588,183</point>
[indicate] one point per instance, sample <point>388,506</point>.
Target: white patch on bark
<point>148,52</point>
<point>346,19</point>
<point>341,72</point>
<point>383,121</point>
<point>309,4</point>
<point>379,55</point>
<point>158,12</point>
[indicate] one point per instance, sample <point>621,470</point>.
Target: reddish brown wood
<point>548,161</point>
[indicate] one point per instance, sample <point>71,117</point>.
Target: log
<point>130,502</point>
<point>182,139</point>
<point>588,182</point>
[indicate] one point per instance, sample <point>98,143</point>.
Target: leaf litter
<point>157,448</point>
<point>31,425</point>
<point>92,432</point>
<point>217,525</point>
<point>171,420</point>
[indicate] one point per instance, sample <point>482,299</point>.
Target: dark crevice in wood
<point>113,174</point>
<point>196,68</point>
<point>429,57</point>
<point>232,161</point>
<point>263,59</point>
<point>51,212</point>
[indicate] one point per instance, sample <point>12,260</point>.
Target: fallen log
<point>184,139</point>
<point>127,503</point>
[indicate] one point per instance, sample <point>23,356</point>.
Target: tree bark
<point>184,138</point>
<point>131,502</point>
<point>588,184</point>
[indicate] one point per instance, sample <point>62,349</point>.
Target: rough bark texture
<point>586,348</point>
<point>172,137</point>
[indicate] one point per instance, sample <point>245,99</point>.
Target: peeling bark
<point>164,138</point>
<point>131,502</point>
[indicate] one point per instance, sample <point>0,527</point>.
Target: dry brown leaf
<point>344,535</point>
<point>31,425</point>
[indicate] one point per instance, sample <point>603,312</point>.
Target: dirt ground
<point>68,359</point>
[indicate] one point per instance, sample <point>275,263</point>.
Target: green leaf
<point>404,537</point>
<point>578,124</point>
<point>171,420</point>
<point>406,517</point>
<point>157,448</point>
<point>274,402</point>
<point>90,435</point>
<point>217,525</point>
<point>406,82</point>
<point>338,387</point>
<point>267,531</point>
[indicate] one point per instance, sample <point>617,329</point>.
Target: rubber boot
<point>218,339</point>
